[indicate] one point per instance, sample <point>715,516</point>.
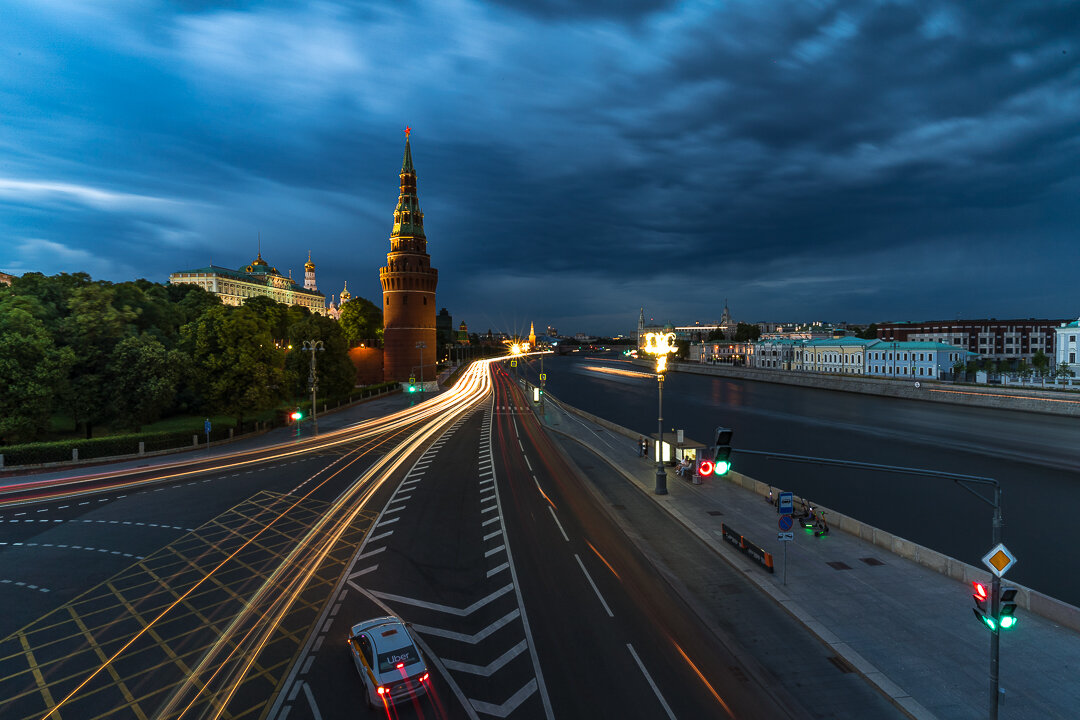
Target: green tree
<point>143,379</point>
<point>362,321</point>
<point>959,368</point>
<point>33,371</point>
<point>92,328</point>
<point>714,335</point>
<point>1041,363</point>
<point>236,367</point>
<point>869,333</point>
<point>745,332</point>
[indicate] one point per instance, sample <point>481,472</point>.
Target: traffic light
<point>412,384</point>
<point>1006,608</point>
<point>981,596</point>
<point>705,464</point>
<point>296,415</point>
<point>722,451</point>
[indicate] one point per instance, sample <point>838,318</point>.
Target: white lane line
<point>410,482</point>
<point>521,446</point>
<point>399,498</point>
<point>368,554</point>
<point>496,570</point>
<point>489,508</point>
<point>652,684</point>
<point>485,498</point>
<point>488,522</point>
<point>489,480</point>
<point>460,612</point>
<point>510,705</point>
<point>390,511</point>
<point>492,534</point>
<point>387,522</point>
<point>318,644</point>
<point>307,666</point>
<point>365,571</point>
<point>595,589</point>
<point>494,550</point>
<point>380,536</point>
<point>527,462</point>
<point>311,700</point>
<point>491,668</point>
<point>471,639</point>
<point>295,690</point>
<point>559,524</point>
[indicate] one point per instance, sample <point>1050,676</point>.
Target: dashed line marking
<point>558,524</point>
<point>595,589</point>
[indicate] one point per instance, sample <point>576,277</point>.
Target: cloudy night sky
<point>853,161</point>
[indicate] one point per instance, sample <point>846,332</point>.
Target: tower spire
<point>406,161</point>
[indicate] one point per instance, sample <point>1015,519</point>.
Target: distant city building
<point>444,327</point>
<point>909,360</point>
<point>1065,347</point>
<point>6,279</point>
<point>463,334</point>
<point>258,279</point>
<point>408,285</point>
<point>552,332</point>
<point>993,339</point>
<point>532,335</point>
<point>723,352</point>
<point>856,356</point>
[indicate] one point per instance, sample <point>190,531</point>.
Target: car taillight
<point>400,665</point>
<point>381,691</point>
<point>424,678</point>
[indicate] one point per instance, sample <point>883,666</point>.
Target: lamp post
<point>659,345</point>
<point>313,380</point>
<point>420,346</point>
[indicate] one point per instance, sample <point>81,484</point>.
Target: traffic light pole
<point>661,473</point>
<point>964,481</point>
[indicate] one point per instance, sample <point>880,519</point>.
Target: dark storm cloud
<point>837,159</point>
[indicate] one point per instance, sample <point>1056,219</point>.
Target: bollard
<point>230,433</point>
<point>1,460</point>
<point>142,447</point>
<point>194,441</point>
<point>75,454</point>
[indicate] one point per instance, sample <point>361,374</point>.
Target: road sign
<point>785,536</point>
<point>513,363</point>
<point>785,503</point>
<point>999,559</point>
<point>785,522</point>
<point>206,425</point>
<point>543,377</point>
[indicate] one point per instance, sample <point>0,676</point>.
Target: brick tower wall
<point>408,318</point>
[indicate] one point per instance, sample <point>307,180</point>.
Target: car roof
<point>386,633</point>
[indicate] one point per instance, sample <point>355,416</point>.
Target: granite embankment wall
<point>1052,402</point>
<point>1033,601</point>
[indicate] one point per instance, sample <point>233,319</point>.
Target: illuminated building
<point>463,334</point>
<point>408,287</point>
<point>258,279</point>
<point>532,335</point>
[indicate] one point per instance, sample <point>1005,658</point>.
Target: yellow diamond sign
<point>999,559</point>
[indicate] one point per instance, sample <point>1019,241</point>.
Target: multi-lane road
<point>225,587</point>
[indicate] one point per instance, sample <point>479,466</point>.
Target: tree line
<point>128,354</point>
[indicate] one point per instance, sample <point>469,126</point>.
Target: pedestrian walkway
<point>907,629</point>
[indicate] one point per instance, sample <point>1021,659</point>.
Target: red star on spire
<point>407,131</point>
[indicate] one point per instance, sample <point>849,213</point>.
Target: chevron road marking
<point>460,612</point>
<point>365,571</point>
<point>507,707</point>
<point>491,668</point>
<point>470,639</point>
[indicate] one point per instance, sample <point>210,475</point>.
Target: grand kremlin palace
<point>258,278</point>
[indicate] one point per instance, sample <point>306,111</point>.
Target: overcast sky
<point>577,159</point>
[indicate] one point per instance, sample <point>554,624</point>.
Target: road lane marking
<point>492,534</point>
<point>380,536</point>
<point>494,550</point>
<point>526,457</point>
<point>558,524</point>
<point>387,522</point>
<point>365,571</point>
<point>510,705</point>
<point>475,637</point>
<point>368,554</point>
<point>460,612</point>
<point>43,687</point>
<point>491,668</point>
<point>652,684</point>
<point>399,508</point>
<point>496,570</point>
<point>489,508</point>
<point>399,498</point>
<point>595,589</point>
<point>488,522</point>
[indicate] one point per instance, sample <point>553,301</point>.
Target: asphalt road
<point>1035,457</point>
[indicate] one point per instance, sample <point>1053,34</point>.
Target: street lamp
<point>660,345</point>
<point>313,380</point>
<point>420,346</point>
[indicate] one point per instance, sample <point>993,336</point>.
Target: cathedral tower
<point>309,274</point>
<point>408,285</point>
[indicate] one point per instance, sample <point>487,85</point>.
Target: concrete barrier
<point>1033,601</point>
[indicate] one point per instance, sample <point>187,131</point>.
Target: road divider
<point>747,548</point>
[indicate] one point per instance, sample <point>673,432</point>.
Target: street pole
<point>543,381</point>
<point>661,473</point>
<point>995,608</point>
<point>313,380</point>
<point>421,347</point>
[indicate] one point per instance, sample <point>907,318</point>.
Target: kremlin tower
<point>309,274</point>
<point>532,335</point>
<point>408,285</point>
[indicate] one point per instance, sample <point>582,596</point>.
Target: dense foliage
<point>128,354</point>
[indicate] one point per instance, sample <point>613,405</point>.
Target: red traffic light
<point>705,468</point>
<point>980,593</point>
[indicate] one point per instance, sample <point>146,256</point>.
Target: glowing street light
<point>660,345</point>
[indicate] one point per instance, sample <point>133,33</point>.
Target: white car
<point>388,661</point>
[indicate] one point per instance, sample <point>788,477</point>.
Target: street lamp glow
<point>515,349</point>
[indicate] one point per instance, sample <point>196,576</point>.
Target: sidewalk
<point>907,629</point>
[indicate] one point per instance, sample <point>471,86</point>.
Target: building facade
<point>912,360</point>
<point>408,288</point>
<point>1065,346</point>
<point>993,339</point>
<point>259,279</point>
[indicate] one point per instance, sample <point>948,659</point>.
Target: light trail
<point>701,676</point>
<point>617,371</point>
<point>1002,395</point>
<point>308,554</point>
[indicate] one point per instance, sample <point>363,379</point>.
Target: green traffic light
<point>721,467</point>
<point>1007,622</point>
<point>412,388</point>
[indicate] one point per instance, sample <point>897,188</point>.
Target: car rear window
<point>406,655</point>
